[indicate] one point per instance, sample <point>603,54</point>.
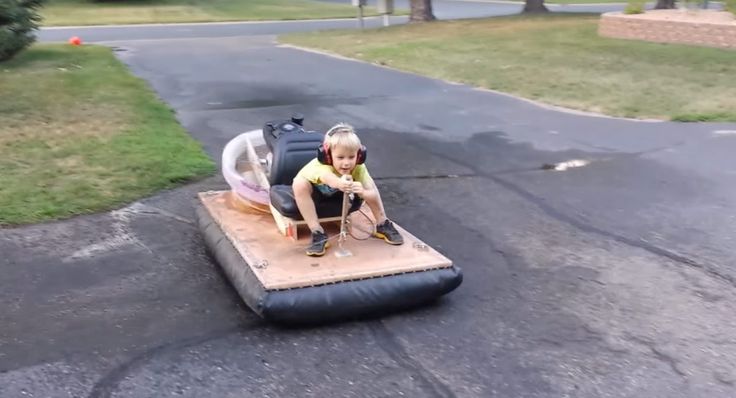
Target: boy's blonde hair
<point>344,136</point>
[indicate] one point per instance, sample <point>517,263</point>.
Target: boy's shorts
<point>324,190</point>
<point>322,193</point>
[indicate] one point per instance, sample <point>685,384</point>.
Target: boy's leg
<point>384,227</point>
<point>304,202</point>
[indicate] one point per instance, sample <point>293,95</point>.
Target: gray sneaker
<point>388,232</point>
<point>319,244</point>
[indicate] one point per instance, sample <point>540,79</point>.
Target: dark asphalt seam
<point>667,359</point>
<point>106,386</point>
<point>387,341</point>
<point>723,379</point>
<point>155,211</point>
<point>560,216</point>
<point>464,175</point>
<point>658,354</point>
<point>259,104</point>
<point>424,177</point>
<point>591,336</point>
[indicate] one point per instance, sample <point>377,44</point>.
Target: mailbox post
<point>359,4</point>
<point>385,7</point>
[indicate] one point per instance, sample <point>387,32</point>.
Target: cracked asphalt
<point>615,279</point>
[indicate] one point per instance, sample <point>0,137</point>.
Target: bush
<point>634,7</point>
<point>731,6</point>
<point>693,4</point>
<point>18,21</point>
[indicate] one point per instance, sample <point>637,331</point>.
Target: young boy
<point>341,155</point>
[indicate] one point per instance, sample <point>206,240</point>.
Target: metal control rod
<point>341,251</point>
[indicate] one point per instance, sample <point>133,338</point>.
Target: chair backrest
<point>290,153</point>
<point>274,129</point>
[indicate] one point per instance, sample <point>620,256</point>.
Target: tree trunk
<point>665,4</point>
<point>534,7</point>
<point>421,11</point>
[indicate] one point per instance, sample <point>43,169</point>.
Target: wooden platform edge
<point>252,261</point>
<point>255,264</point>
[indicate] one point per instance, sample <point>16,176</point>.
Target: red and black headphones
<point>324,155</point>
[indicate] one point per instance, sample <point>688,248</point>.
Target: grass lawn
<point>80,134</point>
<point>584,1</point>
<point>556,59</point>
<point>86,12</point>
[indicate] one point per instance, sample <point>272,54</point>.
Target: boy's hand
<point>346,184</point>
<point>357,188</point>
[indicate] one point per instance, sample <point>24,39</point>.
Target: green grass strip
<point>85,12</point>
<point>556,59</point>
<point>80,134</point>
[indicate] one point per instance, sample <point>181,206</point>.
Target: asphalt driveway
<point>609,280</point>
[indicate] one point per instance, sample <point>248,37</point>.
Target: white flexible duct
<point>230,154</point>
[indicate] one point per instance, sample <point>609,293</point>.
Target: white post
<point>385,7</point>
<point>360,16</point>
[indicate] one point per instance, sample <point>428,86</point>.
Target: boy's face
<point>343,159</point>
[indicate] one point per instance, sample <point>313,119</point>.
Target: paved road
<point>458,9</point>
<point>611,280</point>
<point>443,9</point>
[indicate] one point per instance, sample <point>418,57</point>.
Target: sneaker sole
<point>319,254</point>
<point>385,238</point>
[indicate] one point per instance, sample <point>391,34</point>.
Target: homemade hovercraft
<point>252,231</point>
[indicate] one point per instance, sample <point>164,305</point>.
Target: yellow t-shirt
<point>314,169</point>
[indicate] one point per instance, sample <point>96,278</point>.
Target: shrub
<point>731,6</point>
<point>634,7</point>
<point>18,21</point>
<point>693,4</point>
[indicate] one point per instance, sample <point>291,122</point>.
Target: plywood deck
<point>280,263</point>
